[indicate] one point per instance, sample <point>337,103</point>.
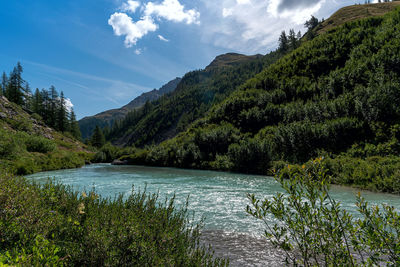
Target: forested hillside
<point>107,118</point>
<point>195,94</point>
<point>37,131</point>
<point>337,93</point>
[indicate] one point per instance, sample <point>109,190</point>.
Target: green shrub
<point>39,144</point>
<point>53,225</point>
<point>313,229</point>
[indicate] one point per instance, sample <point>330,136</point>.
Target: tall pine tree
<point>52,122</point>
<point>292,40</point>
<point>62,119</point>
<point>97,140</point>
<point>37,102</point>
<point>74,126</point>
<point>283,42</point>
<point>15,90</point>
<point>4,83</point>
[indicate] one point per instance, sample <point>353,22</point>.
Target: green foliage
<point>39,144</point>
<point>108,153</point>
<point>337,93</point>
<point>97,140</point>
<point>196,93</point>
<point>53,225</point>
<point>374,173</point>
<point>47,105</point>
<point>313,229</point>
<point>22,153</point>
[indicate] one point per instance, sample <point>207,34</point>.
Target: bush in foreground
<point>53,225</point>
<point>314,230</point>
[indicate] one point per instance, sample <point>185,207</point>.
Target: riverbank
<point>219,197</point>
<point>53,225</point>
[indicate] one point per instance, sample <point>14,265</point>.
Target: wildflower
<point>84,195</point>
<point>81,208</point>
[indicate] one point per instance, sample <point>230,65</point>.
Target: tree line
<point>50,105</point>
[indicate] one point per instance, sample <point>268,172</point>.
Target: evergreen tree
<point>37,102</point>
<point>27,103</point>
<point>4,83</point>
<point>62,120</point>
<point>74,126</point>
<point>53,107</point>
<point>44,111</point>
<point>283,42</point>
<point>97,140</point>
<point>311,23</point>
<point>14,90</point>
<point>299,36</point>
<point>292,40</point>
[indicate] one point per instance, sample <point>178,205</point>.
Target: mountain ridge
<point>108,117</point>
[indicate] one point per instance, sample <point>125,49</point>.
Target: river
<point>219,197</point>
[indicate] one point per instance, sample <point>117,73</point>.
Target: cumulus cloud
<point>162,38</point>
<point>254,26</point>
<point>68,104</point>
<point>226,12</point>
<point>243,2</point>
<point>122,24</point>
<point>172,10</point>
<point>130,6</point>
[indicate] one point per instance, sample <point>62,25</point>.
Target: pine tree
<point>62,120</point>
<point>14,90</point>
<point>74,126</point>
<point>292,40</point>
<point>283,42</point>
<point>299,36</point>
<point>27,95</point>
<point>97,140</point>
<point>4,83</point>
<point>44,112</point>
<point>37,102</point>
<point>311,23</point>
<point>53,107</point>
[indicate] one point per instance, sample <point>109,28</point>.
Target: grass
<point>356,12</point>
<point>53,225</point>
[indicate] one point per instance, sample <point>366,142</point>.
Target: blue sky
<point>104,53</point>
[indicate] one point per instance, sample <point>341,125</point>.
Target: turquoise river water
<point>219,197</point>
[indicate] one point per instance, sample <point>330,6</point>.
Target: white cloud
<point>162,38</point>
<point>254,26</point>
<point>226,12</point>
<point>130,6</point>
<point>122,24</point>
<point>172,10</point>
<point>68,104</point>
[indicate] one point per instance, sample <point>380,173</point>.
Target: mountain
<point>355,12</point>
<point>28,145</point>
<point>195,94</point>
<point>107,118</point>
<point>335,96</point>
<point>231,59</point>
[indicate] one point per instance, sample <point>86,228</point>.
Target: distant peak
<point>230,59</point>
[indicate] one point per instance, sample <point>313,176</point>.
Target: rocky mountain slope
<point>107,118</point>
<point>27,145</point>
<point>192,99</point>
